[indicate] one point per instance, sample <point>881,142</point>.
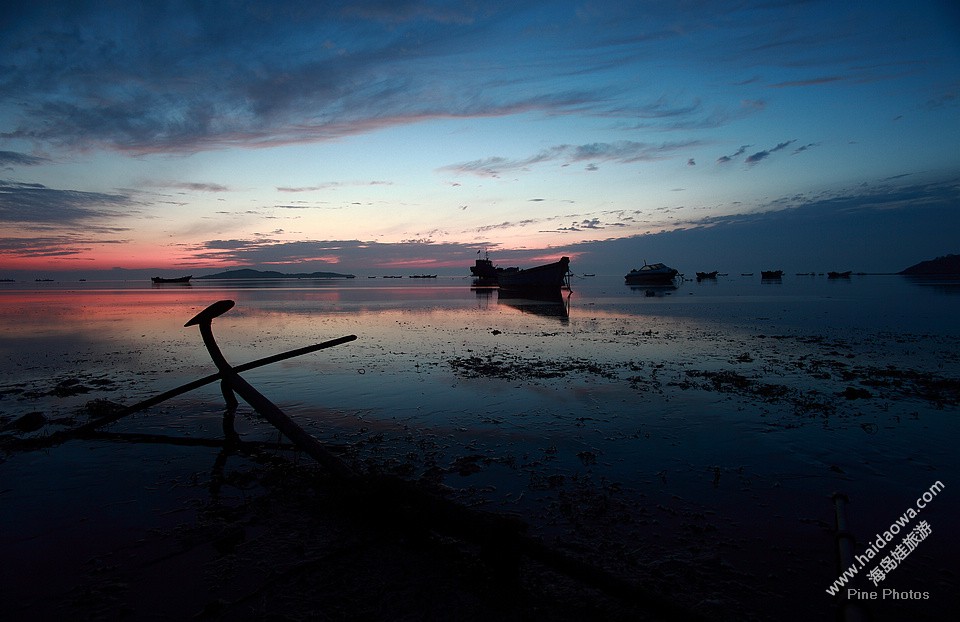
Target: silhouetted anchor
<point>228,375</point>
<point>231,381</point>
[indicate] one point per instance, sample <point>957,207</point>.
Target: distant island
<point>946,265</point>
<point>247,273</point>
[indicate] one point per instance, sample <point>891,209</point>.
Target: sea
<point>708,435</point>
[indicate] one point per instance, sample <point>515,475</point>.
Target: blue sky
<point>361,136</point>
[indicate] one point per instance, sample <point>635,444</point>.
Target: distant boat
<point>182,279</point>
<point>486,273</point>
<point>707,275</point>
<point>771,274</point>
<point>839,275</point>
<point>546,277</point>
<point>746,274</point>
<point>423,276</point>
<point>651,274</point>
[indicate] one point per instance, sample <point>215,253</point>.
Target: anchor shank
<point>270,411</point>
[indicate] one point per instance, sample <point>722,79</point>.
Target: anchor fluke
<point>215,310</point>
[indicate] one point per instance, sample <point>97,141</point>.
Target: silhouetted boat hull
<point>545,277</point>
<point>651,274</point>
<point>182,279</point>
<point>771,274</point>
<point>486,273</point>
<point>839,275</point>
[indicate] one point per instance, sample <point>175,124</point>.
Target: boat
<point>771,274</point>
<point>546,277</point>
<point>839,275</point>
<point>651,274</point>
<point>707,275</point>
<point>423,276</point>
<point>485,272</point>
<point>182,279</point>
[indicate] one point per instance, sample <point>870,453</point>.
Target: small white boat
<point>651,274</point>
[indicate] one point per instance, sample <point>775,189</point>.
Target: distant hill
<point>948,264</point>
<point>247,273</point>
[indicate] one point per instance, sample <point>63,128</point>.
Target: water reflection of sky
<point>395,395</point>
<point>601,319</point>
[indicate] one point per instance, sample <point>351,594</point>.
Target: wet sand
<point>686,445</point>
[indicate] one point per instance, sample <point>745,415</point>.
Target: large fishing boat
<point>547,276</point>
<point>486,273</point>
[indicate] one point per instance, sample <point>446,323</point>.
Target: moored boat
<point>771,274</point>
<point>545,277</point>
<point>707,275</point>
<point>651,274</point>
<point>486,273</point>
<point>182,279</point>
<point>839,275</point>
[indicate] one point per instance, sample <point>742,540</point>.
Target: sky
<point>362,137</point>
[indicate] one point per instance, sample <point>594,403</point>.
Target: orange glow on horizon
<point>129,257</point>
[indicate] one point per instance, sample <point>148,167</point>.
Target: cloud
<point>718,117</point>
<point>947,99</point>
<point>911,222</point>
<point>200,187</point>
<point>507,225</point>
<point>349,255</point>
<point>762,155</point>
<point>13,158</point>
<point>28,203</point>
<point>51,246</point>
<point>402,12</point>
<point>253,75</point>
<point>585,224</point>
<point>729,158</point>
<point>331,185</point>
<point>809,82</point>
<point>621,152</point>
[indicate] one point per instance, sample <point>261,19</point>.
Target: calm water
<point>718,415</point>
